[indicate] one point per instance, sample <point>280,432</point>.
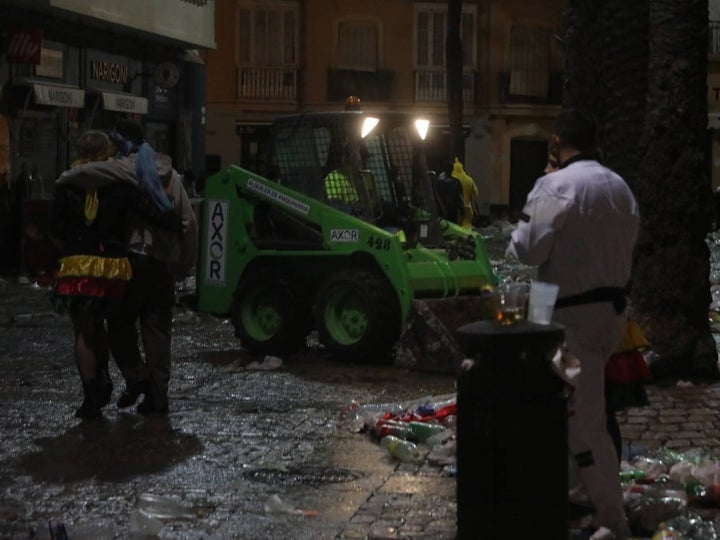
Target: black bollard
<point>512,456</point>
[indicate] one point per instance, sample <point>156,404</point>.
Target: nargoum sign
<point>24,45</point>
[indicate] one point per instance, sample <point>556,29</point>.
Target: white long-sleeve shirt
<point>580,225</point>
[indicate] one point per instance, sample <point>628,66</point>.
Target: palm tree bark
<point>624,66</point>
<point>583,85</point>
<point>671,290</point>
<point>606,55</point>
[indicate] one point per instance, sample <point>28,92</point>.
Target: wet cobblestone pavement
<point>235,438</point>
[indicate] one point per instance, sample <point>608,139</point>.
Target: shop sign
<point>59,96</point>
<point>24,45</point>
<point>108,72</point>
<point>51,64</point>
<point>126,103</point>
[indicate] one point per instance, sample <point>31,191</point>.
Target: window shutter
<point>358,45</point>
<point>529,61</point>
<point>244,36</point>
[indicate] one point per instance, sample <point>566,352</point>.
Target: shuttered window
<point>358,45</point>
<point>267,33</point>
<point>430,31</point>
<point>529,61</point>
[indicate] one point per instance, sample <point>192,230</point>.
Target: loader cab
<point>370,165</point>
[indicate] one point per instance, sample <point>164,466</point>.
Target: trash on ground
<point>275,505</point>
<point>663,487</point>
<point>414,430</point>
<point>269,363</point>
<point>143,525</point>
<point>160,507</point>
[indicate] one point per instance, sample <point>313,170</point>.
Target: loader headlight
<point>422,125</point>
<point>368,125</point>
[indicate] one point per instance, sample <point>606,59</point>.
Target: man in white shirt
<point>579,226</point>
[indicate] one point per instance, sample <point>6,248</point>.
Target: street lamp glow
<point>368,125</point>
<point>422,125</point>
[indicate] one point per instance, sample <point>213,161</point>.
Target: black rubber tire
<point>358,316</point>
<point>270,316</point>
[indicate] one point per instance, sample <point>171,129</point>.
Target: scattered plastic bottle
<point>400,449</point>
<point>431,406</point>
<point>142,525</point>
<point>422,431</point>
<point>399,429</point>
<point>358,410</point>
<point>102,529</point>
<point>631,475</point>
<point>161,507</point>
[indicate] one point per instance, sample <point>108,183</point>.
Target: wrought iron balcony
<point>267,83</point>
<point>431,85</point>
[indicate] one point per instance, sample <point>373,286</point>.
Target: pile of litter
<point>412,432</point>
<point>666,493</point>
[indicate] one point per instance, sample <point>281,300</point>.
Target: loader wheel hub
<point>261,320</point>
<point>346,318</point>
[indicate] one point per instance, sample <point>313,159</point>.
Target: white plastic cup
<point>541,302</point>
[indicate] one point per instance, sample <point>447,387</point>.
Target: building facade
<point>71,65</point>
<point>275,57</point>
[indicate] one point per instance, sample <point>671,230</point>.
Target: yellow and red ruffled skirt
<point>627,371</point>
<point>90,282</point>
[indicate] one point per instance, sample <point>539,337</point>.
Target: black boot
<point>132,393</point>
<point>90,407</point>
<point>153,403</point>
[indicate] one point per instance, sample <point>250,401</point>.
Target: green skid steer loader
<point>340,237</point>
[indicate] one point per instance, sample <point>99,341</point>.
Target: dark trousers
<point>150,300</point>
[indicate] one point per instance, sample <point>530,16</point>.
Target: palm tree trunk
<point>624,66</point>
<point>583,85</point>
<point>671,290</point>
<point>606,54</point>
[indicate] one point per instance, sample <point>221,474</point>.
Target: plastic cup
<point>541,302</point>
<point>509,301</point>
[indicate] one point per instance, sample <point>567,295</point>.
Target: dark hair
<point>576,128</point>
<point>130,131</point>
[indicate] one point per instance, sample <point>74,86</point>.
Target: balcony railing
<point>714,38</point>
<point>267,83</point>
<point>431,85</point>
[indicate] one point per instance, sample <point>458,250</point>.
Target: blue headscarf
<point>145,169</point>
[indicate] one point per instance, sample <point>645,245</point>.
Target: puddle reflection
<point>116,450</point>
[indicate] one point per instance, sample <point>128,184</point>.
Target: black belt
<point>616,295</point>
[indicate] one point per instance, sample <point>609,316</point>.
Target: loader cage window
<point>296,156</point>
<point>382,178</point>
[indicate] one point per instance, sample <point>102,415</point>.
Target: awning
<point>128,103</point>
<point>59,95</point>
<point>714,120</point>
